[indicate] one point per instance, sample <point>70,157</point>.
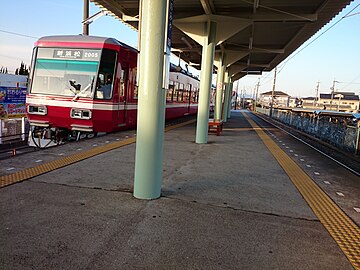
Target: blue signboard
<point>12,102</point>
<point>169,29</point>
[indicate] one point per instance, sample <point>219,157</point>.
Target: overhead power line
<point>17,34</point>
<point>357,13</point>
<point>281,68</point>
<point>307,45</point>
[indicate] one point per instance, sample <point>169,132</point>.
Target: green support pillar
<point>207,62</point>
<point>219,88</point>
<point>230,99</point>
<point>151,102</point>
<point>227,96</point>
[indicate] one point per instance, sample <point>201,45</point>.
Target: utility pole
<point>257,91</point>
<point>237,93</point>
<point>340,96</point>
<point>235,101</point>
<point>317,91</point>
<point>316,94</point>
<point>90,19</point>
<point>241,93</point>
<point>273,93</point>
<point>332,93</point>
<point>86,16</point>
<point>243,100</point>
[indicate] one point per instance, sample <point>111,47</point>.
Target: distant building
<point>310,103</point>
<point>11,80</point>
<point>281,99</point>
<point>335,101</point>
<point>295,102</point>
<point>339,101</point>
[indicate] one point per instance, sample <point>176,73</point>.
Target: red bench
<point>215,126</point>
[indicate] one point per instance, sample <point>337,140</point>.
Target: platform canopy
<point>255,34</point>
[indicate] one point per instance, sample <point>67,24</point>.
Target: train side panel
<point>88,84</point>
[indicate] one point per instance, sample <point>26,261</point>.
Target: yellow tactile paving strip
<point>180,125</point>
<point>344,231</point>
<point>26,174</point>
<point>246,129</point>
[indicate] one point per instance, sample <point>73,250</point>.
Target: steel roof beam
<point>208,6</point>
<point>245,48</point>
<point>264,50</point>
<point>112,6</point>
<point>231,57</point>
<point>237,76</point>
<point>236,68</point>
<point>194,27</point>
<point>266,17</point>
<point>295,22</point>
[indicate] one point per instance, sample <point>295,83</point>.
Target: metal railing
<point>13,129</point>
<point>342,132</point>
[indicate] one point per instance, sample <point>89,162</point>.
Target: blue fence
<point>12,113</point>
<point>338,129</point>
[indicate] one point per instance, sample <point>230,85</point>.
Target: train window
<point>121,74</point>
<point>194,96</point>
<point>170,93</point>
<point>122,84</point>
<point>136,91</point>
<point>101,79</point>
<point>180,96</point>
<point>186,96</point>
<point>33,57</point>
<point>176,91</point>
<point>187,92</point>
<point>66,72</point>
<point>133,76</point>
<point>105,81</point>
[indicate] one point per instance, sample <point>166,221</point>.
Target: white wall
<point>12,80</point>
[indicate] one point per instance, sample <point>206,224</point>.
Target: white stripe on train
<point>91,105</point>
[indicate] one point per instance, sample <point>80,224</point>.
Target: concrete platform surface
<point>224,205</point>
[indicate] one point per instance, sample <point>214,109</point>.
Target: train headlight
<point>80,113</point>
<point>37,109</point>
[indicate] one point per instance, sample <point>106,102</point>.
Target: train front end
<point>60,99</point>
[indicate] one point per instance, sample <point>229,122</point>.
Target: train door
<point>189,90</point>
<point>122,100</point>
<point>110,90</point>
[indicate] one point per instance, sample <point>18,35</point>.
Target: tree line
<point>22,70</point>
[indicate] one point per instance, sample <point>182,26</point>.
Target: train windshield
<point>65,72</point>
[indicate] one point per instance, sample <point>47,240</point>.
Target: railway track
<point>329,187</point>
<point>347,160</point>
<point>11,150</point>
<point>335,172</point>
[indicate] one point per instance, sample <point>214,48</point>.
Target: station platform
<point>228,204</point>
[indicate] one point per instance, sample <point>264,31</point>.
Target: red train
<point>86,84</point>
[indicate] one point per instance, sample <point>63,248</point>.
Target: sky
<point>333,54</point>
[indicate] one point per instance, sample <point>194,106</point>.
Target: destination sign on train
<point>73,54</point>
<point>76,54</point>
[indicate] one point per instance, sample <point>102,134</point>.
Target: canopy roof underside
<point>256,34</point>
